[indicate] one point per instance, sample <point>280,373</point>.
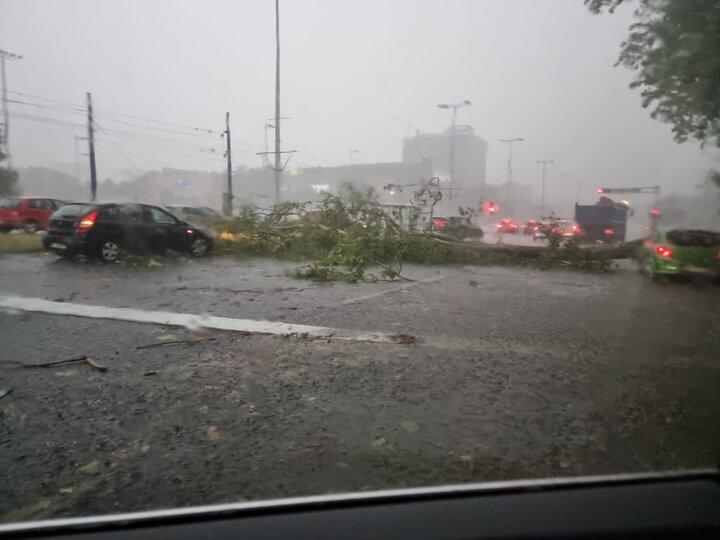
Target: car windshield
<point>322,247</point>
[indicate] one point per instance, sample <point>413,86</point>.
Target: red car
<point>29,213</point>
<point>508,225</point>
<point>567,227</point>
<point>439,223</point>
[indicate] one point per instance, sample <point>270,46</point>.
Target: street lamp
<point>353,151</point>
<point>544,163</point>
<point>510,156</point>
<point>454,107</point>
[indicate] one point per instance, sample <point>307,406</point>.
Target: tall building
<point>470,154</point>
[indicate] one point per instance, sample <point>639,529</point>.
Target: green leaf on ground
<point>93,468</point>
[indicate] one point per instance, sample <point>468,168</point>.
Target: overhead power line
<point>50,100</point>
<point>44,119</point>
<point>28,128</point>
<point>210,140</point>
<point>163,150</point>
<point>315,157</point>
<point>47,107</point>
<point>127,158</point>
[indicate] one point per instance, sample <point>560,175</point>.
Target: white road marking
<point>388,291</point>
<point>188,320</point>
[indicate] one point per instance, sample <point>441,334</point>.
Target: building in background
<point>470,154</point>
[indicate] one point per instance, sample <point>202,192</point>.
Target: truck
<point>602,222</point>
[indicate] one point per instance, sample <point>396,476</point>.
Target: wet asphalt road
<point>516,373</point>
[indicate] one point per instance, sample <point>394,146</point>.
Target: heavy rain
<point>264,249</point>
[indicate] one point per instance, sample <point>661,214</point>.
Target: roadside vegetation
<point>20,243</point>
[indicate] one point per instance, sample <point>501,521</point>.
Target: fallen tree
<point>352,237</point>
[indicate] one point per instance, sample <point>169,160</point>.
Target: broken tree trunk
<point>622,251</point>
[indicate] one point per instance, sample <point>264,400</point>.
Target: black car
<point>103,230</point>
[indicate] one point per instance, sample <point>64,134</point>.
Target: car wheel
<point>31,227</point>
<point>109,251</point>
<point>199,247</point>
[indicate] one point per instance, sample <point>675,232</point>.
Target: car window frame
<point>150,219</point>
<point>123,214</point>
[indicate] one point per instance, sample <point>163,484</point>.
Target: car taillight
<point>87,222</point>
<point>717,255</point>
<point>608,232</point>
<point>664,252</point>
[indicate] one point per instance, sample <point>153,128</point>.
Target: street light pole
<point>544,175</point>
<point>511,142</point>
<point>453,133</point>
<point>5,55</point>
<point>278,170</point>
<point>227,206</point>
<point>353,151</point>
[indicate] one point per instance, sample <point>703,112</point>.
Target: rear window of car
<point>74,210</point>
<point>9,203</point>
<point>694,238</point>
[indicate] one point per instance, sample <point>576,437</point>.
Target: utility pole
<point>227,202</point>
<point>511,142</point>
<point>5,55</point>
<point>544,163</point>
<point>353,151</point>
<point>278,171</point>
<point>267,150</point>
<point>91,147</point>
<point>453,134</point>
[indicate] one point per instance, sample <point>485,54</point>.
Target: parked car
<point>28,213</point>
<point>194,214</point>
<point>103,230</point>
<point>687,252</point>
<point>508,225</point>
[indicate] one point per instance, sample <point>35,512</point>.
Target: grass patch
<point>20,243</point>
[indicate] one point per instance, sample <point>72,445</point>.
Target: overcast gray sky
<point>356,74</point>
